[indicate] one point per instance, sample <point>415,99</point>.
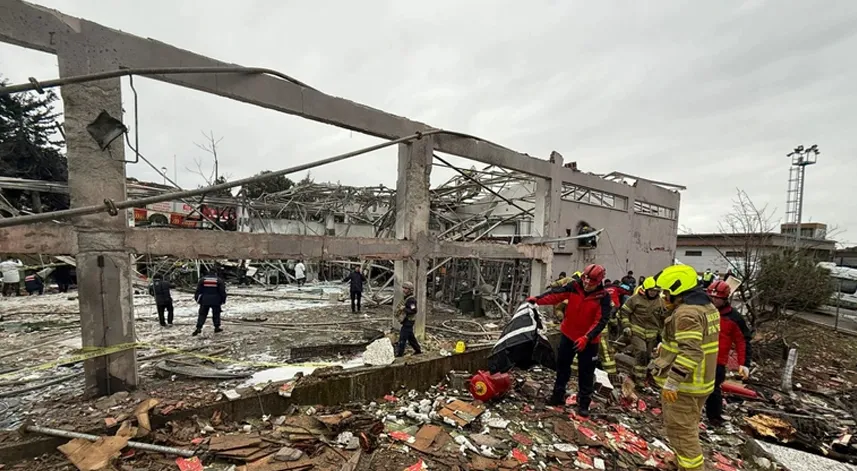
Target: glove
<point>658,350</point>
<point>670,392</point>
<point>744,372</point>
<point>581,343</point>
<point>531,300</point>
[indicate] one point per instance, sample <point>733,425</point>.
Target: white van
<point>845,285</point>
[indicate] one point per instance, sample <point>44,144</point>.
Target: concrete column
<point>103,262</point>
<point>412,218</point>
<point>546,216</point>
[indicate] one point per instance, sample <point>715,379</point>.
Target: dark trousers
<point>406,336</point>
<point>41,291</point>
<point>10,289</point>
<point>714,403</point>
<point>356,296</point>
<point>169,308</point>
<point>203,315</point>
<point>63,287</point>
<point>300,281</point>
<point>585,370</point>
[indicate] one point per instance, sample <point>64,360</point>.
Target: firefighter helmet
<point>649,283</point>
<point>719,289</point>
<point>676,279</point>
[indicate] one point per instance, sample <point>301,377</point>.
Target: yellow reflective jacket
<point>689,345</point>
<point>643,315</point>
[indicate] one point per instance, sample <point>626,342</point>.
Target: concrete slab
<point>795,460</point>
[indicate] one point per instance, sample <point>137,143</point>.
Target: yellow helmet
<point>649,283</point>
<point>577,275</point>
<point>676,279</point>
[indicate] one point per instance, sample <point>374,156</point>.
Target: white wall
<point>710,258</point>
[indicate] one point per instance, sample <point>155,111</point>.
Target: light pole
<point>801,157</point>
<point>164,174</point>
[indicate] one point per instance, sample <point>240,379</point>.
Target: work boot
<point>196,332</point>
<point>583,411</point>
<point>217,330</point>
<point>556,399</point>
<point>163,325</point>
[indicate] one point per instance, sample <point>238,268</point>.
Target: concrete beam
<point>46,238</point>
<point>44,29</point>
<point>103,264</point>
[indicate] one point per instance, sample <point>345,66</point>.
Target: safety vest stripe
<point>669,348</point>
<point>686,362</point>
<point>690,463</point>
<point>689,335</point>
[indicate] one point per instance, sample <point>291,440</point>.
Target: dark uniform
<point>356,280</point>
<point>160,289</point>
<point>406,314</point>
<point>33,284</point>
<point>211,295</point>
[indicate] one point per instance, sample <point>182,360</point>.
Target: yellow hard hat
<point>649,283</point>
<point>676,279</point>
<point>577,274</point>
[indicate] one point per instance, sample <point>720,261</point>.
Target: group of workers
<point>680,329</point>
<point>34,283</point>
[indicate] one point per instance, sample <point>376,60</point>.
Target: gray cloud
<point>711,95</point>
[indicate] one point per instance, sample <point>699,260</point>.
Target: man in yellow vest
<point>707,278</point>
<point>687,360</point>
<point>642,318</point>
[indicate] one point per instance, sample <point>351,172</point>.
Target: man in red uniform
<point>733,332</point>
<point>587,313</point>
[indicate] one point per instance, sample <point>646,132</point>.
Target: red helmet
<point>594,274</point>
<point>719,289</point>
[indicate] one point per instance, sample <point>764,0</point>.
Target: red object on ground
<point>485,386</point>
<point>189,464</point>
<point>519,455</point>
<point>732,388</point>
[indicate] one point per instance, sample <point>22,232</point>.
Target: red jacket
<point>733,331</point>
<point>586,313</point>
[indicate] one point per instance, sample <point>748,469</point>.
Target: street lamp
<point>164,174</point>
<point>801,157</point>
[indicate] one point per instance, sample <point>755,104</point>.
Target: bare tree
<point>209,147</point>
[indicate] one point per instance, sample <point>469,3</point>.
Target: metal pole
<point>838,302</point>
<point>800,205</point>
<point>131,444</point>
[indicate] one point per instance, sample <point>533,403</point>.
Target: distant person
<point>33,283</point>
<point>10,268</point>
<point>707,278</point>
<point>630,280</point>
<point>356,280</point>
<point>300,273</point>
<point>160,289</point>
<point>242,274</point>
<point>62,275</point>
<point>406,314</point>
<point>211,296</point>
<point>641,281</point>
<point>728,275</point>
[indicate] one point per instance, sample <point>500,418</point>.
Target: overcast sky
<point>709,95</point>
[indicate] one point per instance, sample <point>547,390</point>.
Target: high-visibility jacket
<point>689,345</point>
<point>707,276</point>
<point>643,315</point>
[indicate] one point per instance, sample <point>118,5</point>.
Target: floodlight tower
<point>801,158</point>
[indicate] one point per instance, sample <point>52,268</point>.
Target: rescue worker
<point>630,280</point>
<point>211,296</point>
<point>300,273</point>
<point>559,309</point>
<point>707,278</point>
<point>641,317</point>
<point>687,360</point>
<point>355,281</point>
<point>160,289</point>
<point>406,314</point>
<point>586,315</point>
<point>11,276</point>
<point>33,283</point>
<point>733,332</point>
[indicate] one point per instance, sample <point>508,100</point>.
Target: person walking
<point>733,333</point>
<point>687,361</point>
<point>300,273</point>
<point>211,296</point>
<point>586,315</point>
<point>355,279</point>
<point>406,314</point>
<point>160,289</point>
<point>641,317</point>
<point>10,268</point>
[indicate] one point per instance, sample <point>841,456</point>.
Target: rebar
<point>131,444</point>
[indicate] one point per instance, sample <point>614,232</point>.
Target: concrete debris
<point>379,353</point>
<point>231,394</point>
<point>288,454</point>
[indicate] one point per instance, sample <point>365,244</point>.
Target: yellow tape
<point>89,353</point>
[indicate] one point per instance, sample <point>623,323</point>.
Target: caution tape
<point>88,353</point>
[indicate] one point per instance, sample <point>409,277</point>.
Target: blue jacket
<point>210,291</point>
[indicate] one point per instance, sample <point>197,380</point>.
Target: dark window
<point>693,253</point>
<point>734,254</point>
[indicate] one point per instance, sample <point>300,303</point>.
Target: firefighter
<point>586,315</point>
<point>642,320</point>
<point>687,360</point>
<point>406,314</point>
<point>733,332</point>
<point>559,309</point>
<point>707,278</point>
<point>211,296</point>
<point>160,290</point>
<point>33,283</point>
